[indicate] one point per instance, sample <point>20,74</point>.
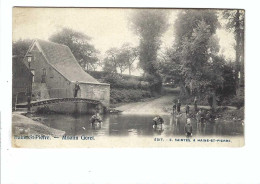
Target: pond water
<point>139,125</point>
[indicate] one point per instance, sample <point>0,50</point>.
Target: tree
<point>235,24</point>
<point>195,62</point>
<point>20,47</point>
<point>170,66</point>
<point>109,65</point>
<point>78,42</point>
<point>120,58</point>
<point>127,56</point>
<point>111,61</point>
<point>150,25</point>
<point>196,44</point>
<point>122,62</point>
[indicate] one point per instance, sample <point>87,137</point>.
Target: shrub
<point>238,101</point>
<point>130,95</point>
<point>121,81</point>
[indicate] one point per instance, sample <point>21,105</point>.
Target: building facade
<point>56,71</point>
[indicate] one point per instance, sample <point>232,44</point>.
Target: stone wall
<point>99,92</point>
<point>40,91</point>
<point>69,107</point>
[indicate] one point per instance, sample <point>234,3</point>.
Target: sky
<point>108,27</point>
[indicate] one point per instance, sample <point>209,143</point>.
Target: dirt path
<point>162,105</point>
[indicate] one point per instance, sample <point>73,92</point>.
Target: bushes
<point>121,81</point>
<point>117,81</point>
<point>124,88</point>
<point>238,102</point>
<point>128,95</point>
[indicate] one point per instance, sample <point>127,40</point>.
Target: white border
<point>169,165</point>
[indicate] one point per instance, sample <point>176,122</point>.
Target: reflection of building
<point>22,79</point>
<point>56,71</point>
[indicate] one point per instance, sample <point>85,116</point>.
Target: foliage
<point>20,47</point>
<point>228,90</point>
<point>193,62</point>
<point>150,25</point>
<point>128,95</point>
<point>239,100</point>
<point>120,81</point>
<point>189,19</point>
<point>110,62</point>
<point>235,24</point>
<point>78,42</point>
<point>127,56</point>
<point>109,65</point>
<point>124,88</point>
<point>121,58</point>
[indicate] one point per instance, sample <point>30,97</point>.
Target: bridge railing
<point>51,93</point>
<point>21,97</point>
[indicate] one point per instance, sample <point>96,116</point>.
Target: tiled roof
<point>62,59</point>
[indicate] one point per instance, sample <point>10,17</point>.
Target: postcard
<point>127,77</point>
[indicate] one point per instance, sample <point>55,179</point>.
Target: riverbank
<point>163,105</point>
<point>22,125</point>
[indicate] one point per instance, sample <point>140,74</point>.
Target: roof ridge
<point>61,58</point>
<point>37,39</point>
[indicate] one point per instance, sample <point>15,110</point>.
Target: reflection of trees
<point>198,128</point>
<point>203,128</point>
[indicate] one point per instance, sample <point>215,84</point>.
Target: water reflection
<point>138,125</point>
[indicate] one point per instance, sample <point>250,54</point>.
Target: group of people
<point>158,120</point>
<point>177,107</point>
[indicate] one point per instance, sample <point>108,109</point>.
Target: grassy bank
<point>124,88</point>
<point>128,95</point>
<point>22,125</point>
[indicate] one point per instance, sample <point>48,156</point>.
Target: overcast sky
<point>107,27</point>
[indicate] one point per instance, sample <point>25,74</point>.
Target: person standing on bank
<point>195,104</point>
<point>188,128</point>
<point>198,117</point>
<point>187,109</point>
<point>174,107</point>
<point>179,106</point>
<point>77,88</point>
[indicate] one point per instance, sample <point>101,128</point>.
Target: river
<point>139,125</point>
<point>137,120</point>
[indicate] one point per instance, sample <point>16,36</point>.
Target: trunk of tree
<point>183,88</point>
<point>237,37</point>
<point>241,82</point>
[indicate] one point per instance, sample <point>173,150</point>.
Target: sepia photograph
<point>127,77</point>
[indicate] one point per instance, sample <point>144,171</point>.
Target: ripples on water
<point>138,125</point>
